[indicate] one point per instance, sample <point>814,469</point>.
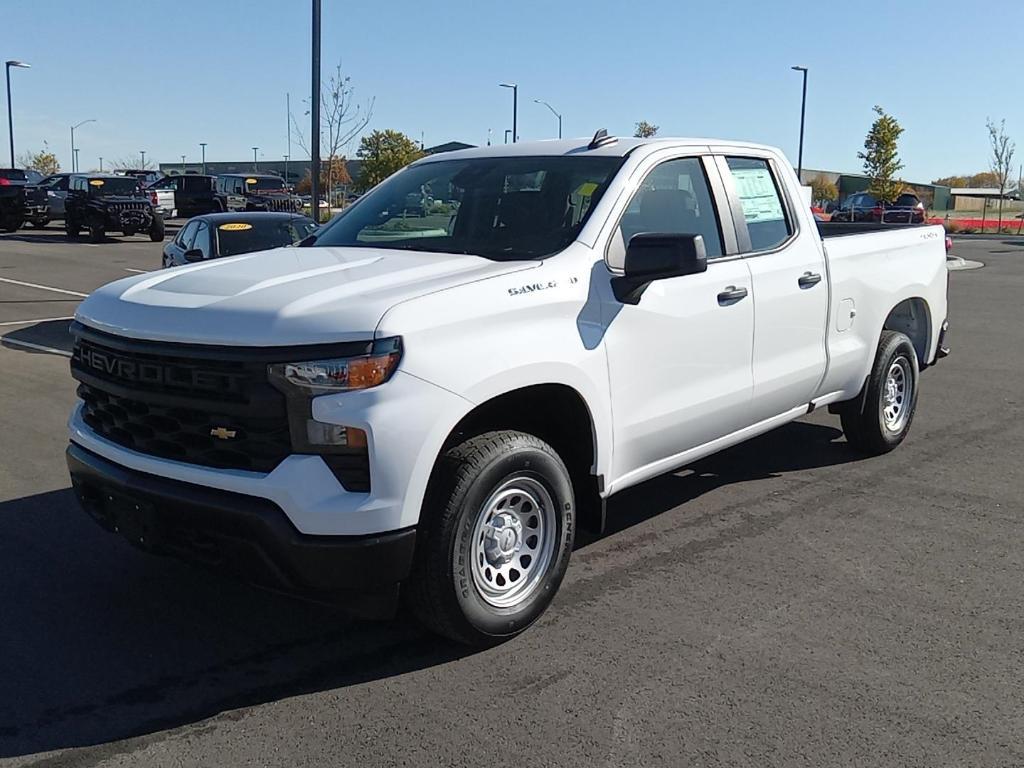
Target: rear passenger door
<point>679,361</point>
<point>787,266</point>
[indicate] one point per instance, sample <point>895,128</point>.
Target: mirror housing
<point>655,256</point>
<point>194,254</point>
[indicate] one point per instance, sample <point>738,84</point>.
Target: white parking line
<point>37,347</point>
<point>37,320</point>
<point>140,271</point>
<point>42,287</point>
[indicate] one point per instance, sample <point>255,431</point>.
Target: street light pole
<point>101,165</point>
<point>182,163</point>
<point>74,162</point>
<point>286,170</point>
<point>803,111</point>
<point>255,166</point>
<point>203,145</point>
<point>143,153</point>
<point>314,119</point>
<point>507,132</point>
<point>538,101</point>
<point>10,114</point>
<point>515,108</point>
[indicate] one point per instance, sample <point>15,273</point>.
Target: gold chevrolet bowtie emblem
<point>222,433</point>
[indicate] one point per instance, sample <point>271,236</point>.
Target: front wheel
<point>890,400</point>
<point>156,230</point>
<point>96,234</point>
<point>495,539</point>
<point>71,228</point>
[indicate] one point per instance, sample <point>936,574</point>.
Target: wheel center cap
<point>503,538</point>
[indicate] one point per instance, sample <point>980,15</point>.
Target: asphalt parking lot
<point>782,603</point>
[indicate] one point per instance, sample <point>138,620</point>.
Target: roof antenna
<point>601,139</point>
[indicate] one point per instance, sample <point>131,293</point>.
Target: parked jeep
<point>104,202</point>
<point>255,192</point>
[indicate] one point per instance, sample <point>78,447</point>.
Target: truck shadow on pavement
<point>99,642</point>
<point>41,337</point>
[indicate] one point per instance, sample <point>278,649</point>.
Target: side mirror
<point>194,254</point>
<point>655,256</point>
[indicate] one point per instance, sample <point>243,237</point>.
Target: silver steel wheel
<point>513,542</point>
<point>897,394</point>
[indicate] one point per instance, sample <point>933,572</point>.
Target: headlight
<point>320,377</point>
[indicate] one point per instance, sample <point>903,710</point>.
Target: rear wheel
<point>96,234</point>
<point>71,227</point>
<point>495,538</point>
<point>39,223</point>
<point>890,401</point>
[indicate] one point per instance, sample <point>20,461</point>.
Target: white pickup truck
<point>427,407</point>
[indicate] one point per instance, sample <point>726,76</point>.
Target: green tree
<point>43,161</point>
<point>383,153</point>
<point>881,156</point>
<point>645,130</point>
<point>823,189</point>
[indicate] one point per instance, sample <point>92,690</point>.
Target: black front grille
<point>212,406</point>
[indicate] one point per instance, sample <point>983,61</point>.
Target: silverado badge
<point>223,433</point>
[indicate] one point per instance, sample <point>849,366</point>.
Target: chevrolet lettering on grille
<point>153,373</point>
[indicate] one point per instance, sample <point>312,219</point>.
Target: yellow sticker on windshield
<point>250,181</point>
<point>237,226</point>
<point>586,190</point>
<point>97,182</point>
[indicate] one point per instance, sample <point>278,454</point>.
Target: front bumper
<point>247,536</point>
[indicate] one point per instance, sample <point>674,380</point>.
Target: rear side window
<point>907,200</point>
<point>764,209</point>
<point>12,174</point>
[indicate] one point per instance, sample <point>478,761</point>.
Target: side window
<point>61,184</point>
<point>673,198</point>
<point>202,241</point>
<point>188,234</point>
<point>764,210</point>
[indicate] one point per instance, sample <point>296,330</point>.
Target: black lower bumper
<point>942,350</point>
<point>248,536</point>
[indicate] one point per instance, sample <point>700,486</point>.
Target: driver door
<point>679,361</point>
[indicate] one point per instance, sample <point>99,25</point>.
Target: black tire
<point>869,429</point>
<point>442,590</point>
<point>39,223</point>
<point>96,234</point>
<point>156,229</point>
<point>71,228</point>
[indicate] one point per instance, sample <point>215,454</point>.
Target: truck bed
<point>844,228</point>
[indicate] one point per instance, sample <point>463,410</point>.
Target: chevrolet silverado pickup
<point>422,411</point>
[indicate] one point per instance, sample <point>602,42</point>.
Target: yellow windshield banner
<point>97,182</point>
<point>587,189</point>
<point>237,226</point>
<point>250,181</point>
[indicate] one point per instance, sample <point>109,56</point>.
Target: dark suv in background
<point>101,203</point>
<point>255,192</point>
<point>863,206</point>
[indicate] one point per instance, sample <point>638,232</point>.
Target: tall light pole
<point>507,132</point>
<point>803,111</point>
<point>515,107</point>
<point>288,109</point>
<point>538,101</point>
<point>314,132</point>
<point>286,170</point>
<point>101,165</point>
<point>74,163</point>
<point>203,145</point>
<point>143,153</point>
<point>10,115</point>
<point>254,161</point>
<point>182,163</point>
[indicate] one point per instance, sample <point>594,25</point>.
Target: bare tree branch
<point>1001,161</point>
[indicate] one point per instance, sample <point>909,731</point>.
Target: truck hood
<point>287,296</point>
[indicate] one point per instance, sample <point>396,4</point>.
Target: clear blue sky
<point>163,76</point>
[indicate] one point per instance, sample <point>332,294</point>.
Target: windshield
<point>12,174</point>
<point>260,234</point>
<point>502,208</point>
<point>118,186</point>
<point>267,183</point>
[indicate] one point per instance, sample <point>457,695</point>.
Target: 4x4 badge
<point>223,433</point>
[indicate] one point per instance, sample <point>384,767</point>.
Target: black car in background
<point>255,192</point>
<point>863,206</point>
<point>12,198</point>
<point>217,235</point>
<point>101,203</point>
<point>186,194</point>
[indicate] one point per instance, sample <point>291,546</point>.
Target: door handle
<point>731,295</point>
<point>809,279</point>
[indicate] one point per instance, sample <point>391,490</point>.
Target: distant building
<point>934,196</point>
<point>297,169</point>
